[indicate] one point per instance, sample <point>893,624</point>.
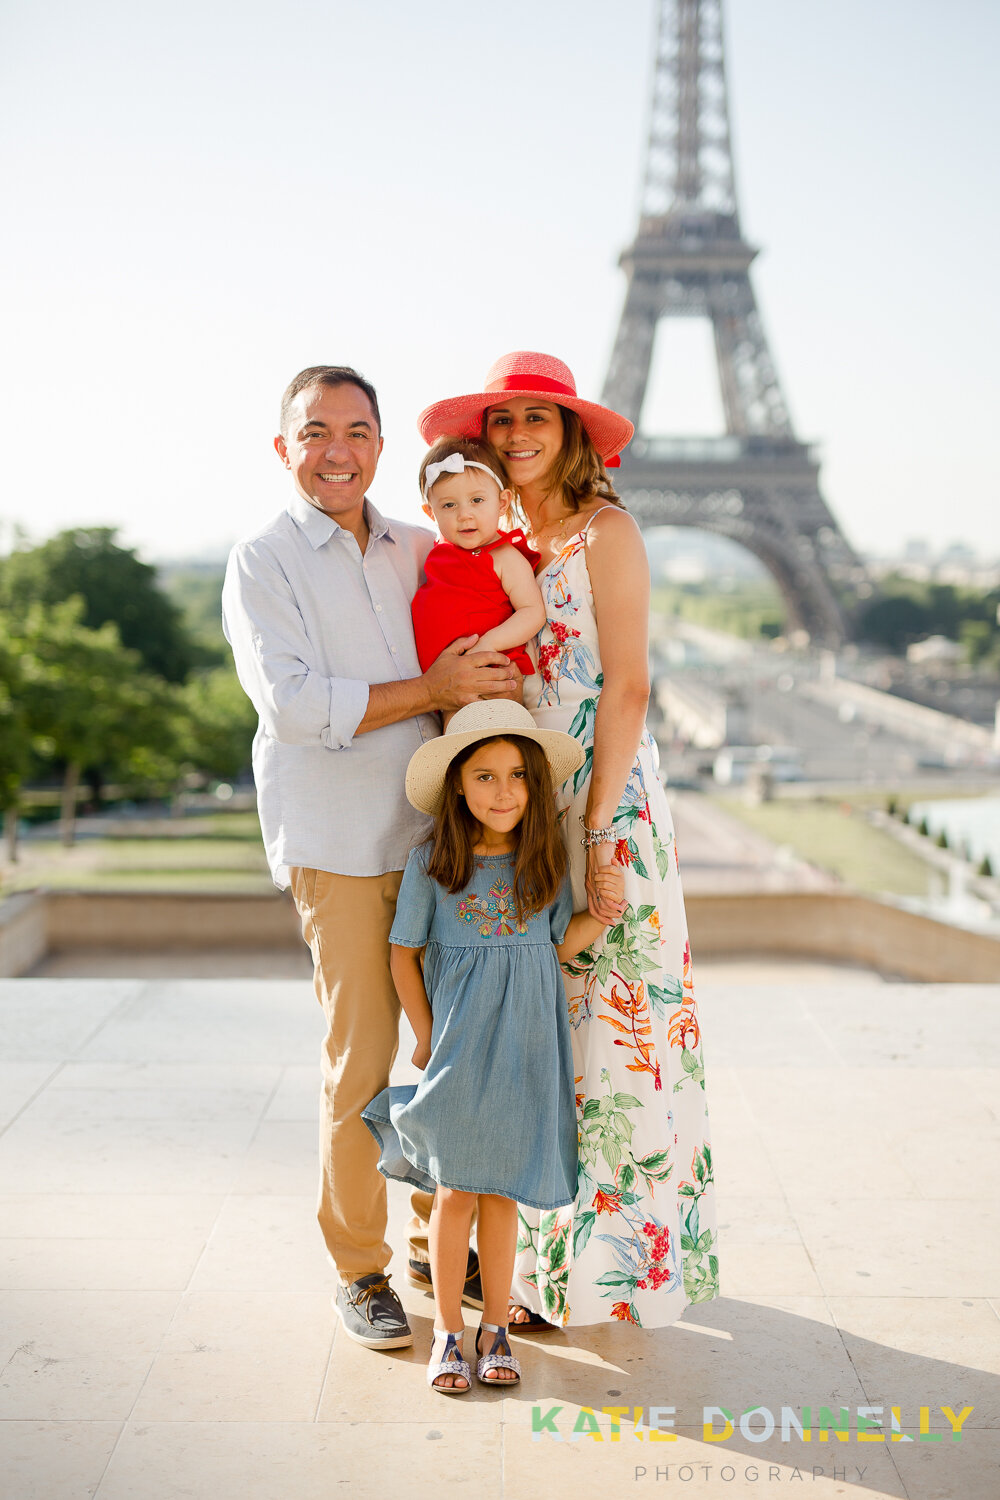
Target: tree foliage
<point>196,590</point>
<point>909,611</point>
<point>87,699</point>
<point>114,586</point>
<point>15,731</point>
<point>220,723</point>
<point>103,676</point>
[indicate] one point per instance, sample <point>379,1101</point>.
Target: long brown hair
<point>578,471</point>
<point>540,859</point>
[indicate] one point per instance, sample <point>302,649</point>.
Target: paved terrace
<point>166,1328</point>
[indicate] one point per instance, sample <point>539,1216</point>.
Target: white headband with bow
<point>456,464</point>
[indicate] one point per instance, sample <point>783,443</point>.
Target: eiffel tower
<point>756,484</point>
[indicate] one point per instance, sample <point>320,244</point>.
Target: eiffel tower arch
<point>757,483</point>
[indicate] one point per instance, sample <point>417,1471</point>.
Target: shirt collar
<point>318,527</point>
<point>378,526</point>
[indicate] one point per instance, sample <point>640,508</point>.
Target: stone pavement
<point>165,1323</point>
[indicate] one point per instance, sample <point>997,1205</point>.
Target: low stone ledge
<point>150,920</point>
<point>837,926</point>
<point>844,928</point>
<point>23,932</point>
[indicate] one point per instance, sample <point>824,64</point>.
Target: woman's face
<point>528,435</point>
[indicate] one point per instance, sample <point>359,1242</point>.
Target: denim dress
<point>495,1109</point>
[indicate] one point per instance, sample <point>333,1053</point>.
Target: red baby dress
<point>464,596</point>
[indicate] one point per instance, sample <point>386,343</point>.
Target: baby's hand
<point>610,883</point>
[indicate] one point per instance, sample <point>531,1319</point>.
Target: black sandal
<point>534,1323</point>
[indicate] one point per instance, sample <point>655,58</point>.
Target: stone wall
<point>835,926</point>
<point>842,928</point>
<point>23,932</point>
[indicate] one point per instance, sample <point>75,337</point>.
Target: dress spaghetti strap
<point>597,512</point>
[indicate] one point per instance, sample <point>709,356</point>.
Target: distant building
<point>935,648</point>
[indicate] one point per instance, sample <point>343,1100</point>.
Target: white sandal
<point>499,1358</point>
<point>452,1363</point>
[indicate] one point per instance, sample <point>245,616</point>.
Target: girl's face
<point>467,508</point>
<point>494,783</point>
<point>528,435</point>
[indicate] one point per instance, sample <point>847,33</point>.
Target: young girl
<point>480,580</point>
<point>486,906</point>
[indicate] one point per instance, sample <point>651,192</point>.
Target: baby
<point>480,580</point>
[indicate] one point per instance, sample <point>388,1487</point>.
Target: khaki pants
<point>346,921</point>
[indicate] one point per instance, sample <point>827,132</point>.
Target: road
<point>836,744</point>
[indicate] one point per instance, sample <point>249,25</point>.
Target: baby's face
<point>467,508</point>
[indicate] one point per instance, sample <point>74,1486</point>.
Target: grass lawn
<point>866,798</point>
<point>220,853</point>
<point>836,837</point>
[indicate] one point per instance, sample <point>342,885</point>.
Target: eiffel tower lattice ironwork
<point>756,484</point>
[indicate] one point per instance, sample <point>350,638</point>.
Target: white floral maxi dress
<point>640,1242</point>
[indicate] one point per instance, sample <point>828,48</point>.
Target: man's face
<point>332,448</point>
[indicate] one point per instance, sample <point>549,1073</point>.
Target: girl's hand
<point>610,885</point>
<point>422,1053</point>
<point>605,885</point>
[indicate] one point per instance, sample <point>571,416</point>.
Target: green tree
<point>114,586</point>
<point>88,702</point>
<point>981,642</point>
<point>15,742</point>
<point>196,590</point>
<point>895,620</point>
<point>219,723</point>
<point>908,610</point>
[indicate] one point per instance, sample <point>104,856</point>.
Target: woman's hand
<point>422,1052</point>
<point>605,884</point>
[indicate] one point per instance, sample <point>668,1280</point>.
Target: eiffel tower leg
<point>786,530</point>
<point>628,372</point>
<point>790,530</point>
<point>751,395</point>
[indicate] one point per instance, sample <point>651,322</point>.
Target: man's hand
<point>460,675</point>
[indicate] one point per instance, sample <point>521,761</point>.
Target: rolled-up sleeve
<point>298,704</point>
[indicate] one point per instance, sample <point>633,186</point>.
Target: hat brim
<point>462,416</point>
<point>426,772</point>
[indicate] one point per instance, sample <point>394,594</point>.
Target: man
<point>316,607</point>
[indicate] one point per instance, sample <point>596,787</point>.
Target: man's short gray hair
<point>329,375</point>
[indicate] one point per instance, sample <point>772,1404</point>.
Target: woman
<point>639,1243</point>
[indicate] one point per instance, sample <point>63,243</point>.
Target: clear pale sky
<point>205,196</point>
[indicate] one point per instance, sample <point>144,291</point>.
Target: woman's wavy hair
<point>540,858</point>
<point>579,470</point>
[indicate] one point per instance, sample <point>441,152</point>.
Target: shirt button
<point>378,609</point>
<point>393,650</point>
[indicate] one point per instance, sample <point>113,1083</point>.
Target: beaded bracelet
<point>594,836</point>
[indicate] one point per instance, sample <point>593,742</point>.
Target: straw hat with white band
<point>485,720</point>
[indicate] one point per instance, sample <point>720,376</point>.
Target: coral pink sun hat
<point>524,373</point>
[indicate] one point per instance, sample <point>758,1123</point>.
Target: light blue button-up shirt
<point>312,622</point>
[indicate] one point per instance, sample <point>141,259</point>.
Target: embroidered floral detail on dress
<point>497,915</point>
